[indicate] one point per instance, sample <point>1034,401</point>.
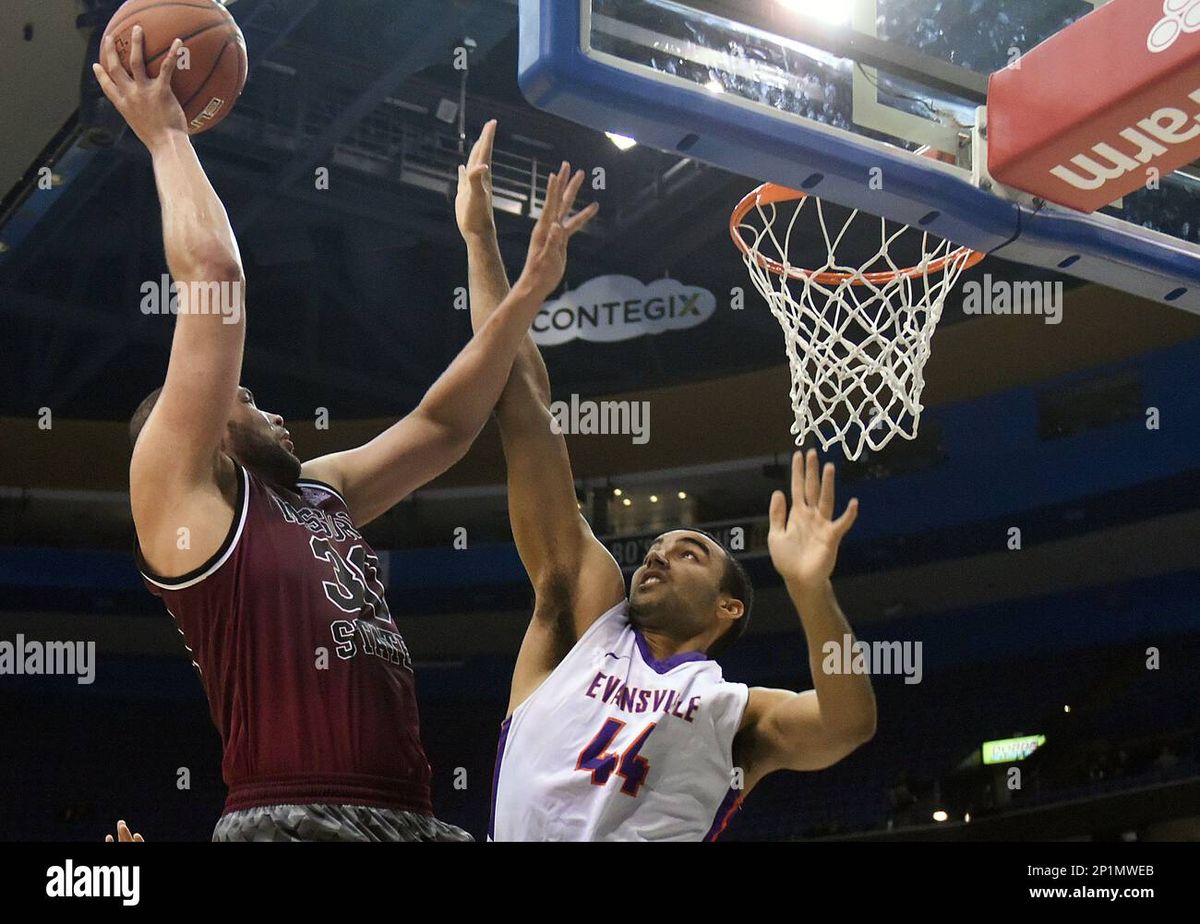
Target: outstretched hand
<point>804,542</point>
<point>547,260</point>
<point>124,836</point>
<point>473,205</point>
<point>147,103</point>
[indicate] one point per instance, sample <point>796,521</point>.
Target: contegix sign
<point>1007,750</point>
<point>611,308</point>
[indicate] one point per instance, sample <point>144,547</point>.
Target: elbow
<point>862,732</point>
<point>225,271</point>
<point>454,438</point>
<point>219,266</point>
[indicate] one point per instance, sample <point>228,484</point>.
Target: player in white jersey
<point>620,725</point>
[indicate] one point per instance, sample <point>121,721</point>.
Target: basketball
<point>212,75</point>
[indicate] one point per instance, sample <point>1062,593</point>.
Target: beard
<point>266,458</point>
<point>645,614</point>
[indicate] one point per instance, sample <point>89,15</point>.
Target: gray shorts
<point>333,823</point>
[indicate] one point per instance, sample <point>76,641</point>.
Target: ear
<point>732,609</point>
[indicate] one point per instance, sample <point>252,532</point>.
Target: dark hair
<point>735,582</point>
<point>138,420</point>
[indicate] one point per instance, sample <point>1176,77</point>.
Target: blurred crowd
<point>982,35</point>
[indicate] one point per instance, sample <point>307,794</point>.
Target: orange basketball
<point>215,71</point>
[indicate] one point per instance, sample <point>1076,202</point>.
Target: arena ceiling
<point>351,301</point>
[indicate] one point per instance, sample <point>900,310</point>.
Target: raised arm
<point>781,729</point>
<point>375,477</point>
<point>177,455</point>
<point>575,577</point>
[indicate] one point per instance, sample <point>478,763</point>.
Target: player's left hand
<point>804,543</point>
<point>124,836</point>
<point>473,205</point>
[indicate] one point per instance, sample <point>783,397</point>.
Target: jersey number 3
<point>628,765</point>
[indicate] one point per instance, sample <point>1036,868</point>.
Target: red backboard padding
<point>1086,115</point>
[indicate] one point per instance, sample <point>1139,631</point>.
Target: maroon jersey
<point>309,683</point>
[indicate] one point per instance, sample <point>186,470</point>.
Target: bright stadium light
<point>831,11</point>
<point>940,815</point>
<point>623,142</point>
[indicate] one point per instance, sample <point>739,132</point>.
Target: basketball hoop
<point>857,337</point>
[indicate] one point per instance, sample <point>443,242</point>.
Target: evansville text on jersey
<point>614,691</point>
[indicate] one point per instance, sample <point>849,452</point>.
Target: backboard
<point>818,94</point>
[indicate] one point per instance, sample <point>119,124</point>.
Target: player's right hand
<point>547,260</point>
<point>147,103</point>
<point>124,836</point>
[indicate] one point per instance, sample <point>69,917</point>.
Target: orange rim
<point>772,193</point>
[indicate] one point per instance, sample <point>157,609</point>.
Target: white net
<point>858,336</point>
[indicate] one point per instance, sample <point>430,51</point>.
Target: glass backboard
<point>754,51</point>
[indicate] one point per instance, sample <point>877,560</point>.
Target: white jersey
<point>616,746</point>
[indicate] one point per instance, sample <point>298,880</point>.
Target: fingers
<point>577,223</point>
<point>138,839</point>
<point>474,175</point>
<point>825,504</point>
<point>798,479</point>
<point>481,153</point>
<point>137,54</point>
<point>778,512</point>
<point>108,839</point>
<point>812,479</point>
<point>549,206</point>
<point>552,207</point>
<point>112,63</point>
<point>571,193</point>
<point>843,523</point>
<point>170,62</point>
<point>106,82</point>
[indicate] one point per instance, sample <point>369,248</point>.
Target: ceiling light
<point>831,11</point>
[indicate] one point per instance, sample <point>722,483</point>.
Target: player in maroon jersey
<point>259,558</point>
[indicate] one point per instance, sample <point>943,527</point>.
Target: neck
<point>663,646</point>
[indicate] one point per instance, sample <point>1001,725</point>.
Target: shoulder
<point>324,471</point>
